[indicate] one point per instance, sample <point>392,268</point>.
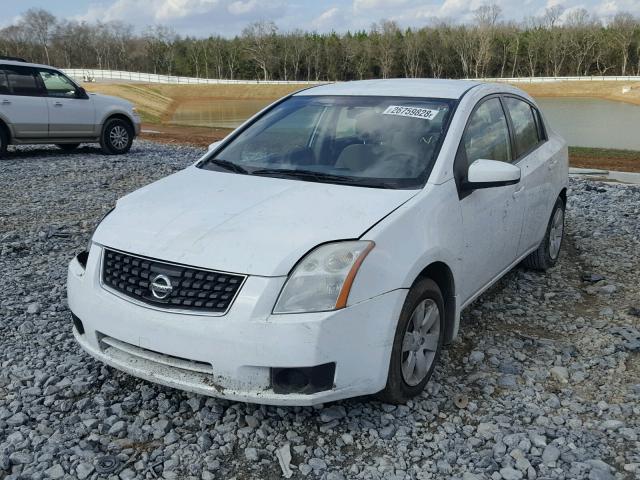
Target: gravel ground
<point>544,381</point>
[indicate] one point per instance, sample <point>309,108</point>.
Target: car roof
<point>397,87</point>
<point>25,64</point>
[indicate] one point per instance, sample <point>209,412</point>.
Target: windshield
<point>384,142</point>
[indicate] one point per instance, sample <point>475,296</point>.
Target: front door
<point>22,104</point>
<point>492,217</point>
<point>71,115</point>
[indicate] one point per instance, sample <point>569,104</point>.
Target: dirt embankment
<point>157,103</point>
<point>608,90</point>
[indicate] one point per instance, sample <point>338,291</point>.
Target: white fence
<point>92,74</point>
<point>629,78</point>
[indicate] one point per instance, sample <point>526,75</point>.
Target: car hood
<point>241,223</point>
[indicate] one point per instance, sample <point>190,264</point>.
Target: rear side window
<point>487,134</point>
<point>22,81</point>
<point>524,125</point>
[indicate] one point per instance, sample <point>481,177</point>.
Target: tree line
<point>557,43</point>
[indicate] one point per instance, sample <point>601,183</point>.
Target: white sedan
<point>326,247</point>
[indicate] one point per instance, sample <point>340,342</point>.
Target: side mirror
<point>81,93</point>
<point>491,173</point>
<point>214,145</point>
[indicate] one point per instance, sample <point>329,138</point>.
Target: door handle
<point>6,102</point>
<point>57,104</point>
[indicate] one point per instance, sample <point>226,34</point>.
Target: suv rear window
<point>22,81</point>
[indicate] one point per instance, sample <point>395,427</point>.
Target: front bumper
<point>137,125</point>
<point>232,356</point>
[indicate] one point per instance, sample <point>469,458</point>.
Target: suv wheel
<point>548,252</point>
<point>417,343</point>
<point>117,137</point>
<point>4,140</point>
<point>68,147</point>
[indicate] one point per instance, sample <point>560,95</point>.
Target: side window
<point>487,134</point>
<point>22,81</point>
<point>57,85</point>
<point>4,84</point>
<point>524,125</point>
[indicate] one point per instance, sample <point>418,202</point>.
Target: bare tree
<point>583,37</point>
<point>486,18</point>
<point>259,37</point>
<point>556,43</point>
<point>412,54</point>
<point>40,23</point>
<point>623,28</point>
<point>385,34</point>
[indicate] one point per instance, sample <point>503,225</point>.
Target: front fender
<point>425,230</point>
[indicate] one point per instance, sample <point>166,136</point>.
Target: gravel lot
<point>544,381</point>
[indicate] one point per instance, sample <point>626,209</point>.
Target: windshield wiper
<point>227,165</point>
<point>321,177</point>
<point>310,174</point>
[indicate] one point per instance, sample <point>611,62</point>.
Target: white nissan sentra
<point>326,247</point>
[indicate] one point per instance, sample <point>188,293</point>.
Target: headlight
<point>134,110</point>
<point>96,228</point>
<point>322,279</point>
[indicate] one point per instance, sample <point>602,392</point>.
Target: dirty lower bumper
<point>234,356</point>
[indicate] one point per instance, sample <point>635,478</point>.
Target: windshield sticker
<point>415,112</point>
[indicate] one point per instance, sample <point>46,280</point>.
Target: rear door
<point>533,158</point>
<point>22,102</point>
<point>71,114</point>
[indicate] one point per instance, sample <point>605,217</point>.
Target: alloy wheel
<point>555,233</point>
<point>420,342</point>
<point>119,137</point>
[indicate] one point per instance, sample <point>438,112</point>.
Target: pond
<point>584,122</point>
<point>225,113</point>
<point>593,122</point>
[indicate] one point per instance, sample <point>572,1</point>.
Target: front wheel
<point>417,343</point>
<point>546,255</point>
<point>117,137</point>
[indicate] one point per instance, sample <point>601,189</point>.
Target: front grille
<point>191,288</point>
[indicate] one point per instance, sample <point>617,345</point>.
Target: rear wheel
<point>68,147</point>
<point>546,255</point>
<point>417,343</point>
<point>4,141</point>
<point>117,137</point>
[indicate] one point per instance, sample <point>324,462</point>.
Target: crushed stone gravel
<point>551,386</point>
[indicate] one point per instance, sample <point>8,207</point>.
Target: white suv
<point>326,248</point>
<point>39,104</point>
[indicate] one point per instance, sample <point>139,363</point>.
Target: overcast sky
<point>228,17</point>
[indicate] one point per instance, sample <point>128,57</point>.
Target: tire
<point>117,137</point>
<point>404,382</point>
<point>4,141</point>
<point>68,147</point>
<point>548,252</point>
